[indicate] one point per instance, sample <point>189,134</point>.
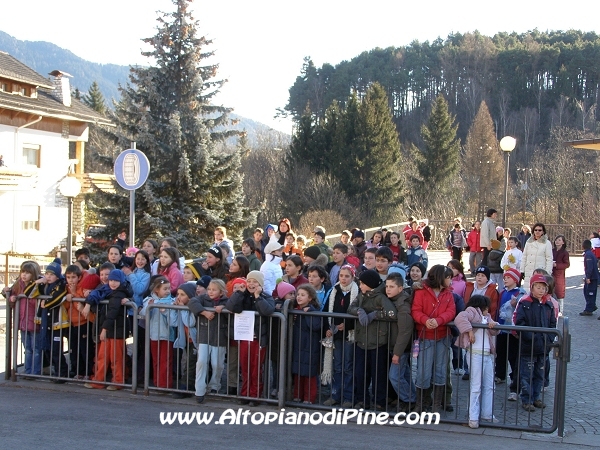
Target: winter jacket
<point>473,240</point>
<point>173,274</point>
<point>298,281</point>
<point>491,292</point>
<point>255,263</point>
<point>531,312</point>
<point>427,306</point>
<point>590,265</point>
<point>456,239</point>
<point>402,331</point>
<point>27,306</point>
<point>159,322</point>
<point>415,255</point>
<point>488,232</point>
<point>111,317</point>
<point>376,333</point>
<point>506,310</point>
<point>212,332</point>
<point>140,281</point>
<point>272,271</point>
<point>512,259</point>
<point>536,255</point>
<point>264,305</point>
<point>459,284</point>
<point>561,258</point>
<point>495,261</point>
<point>341,302</point>
<point>523,238</point>
<point>181,320</point>
<point>359,250</point>
<point>306,344</point>
<point>463,322</point>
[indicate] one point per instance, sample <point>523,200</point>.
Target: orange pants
<point>110,351</point>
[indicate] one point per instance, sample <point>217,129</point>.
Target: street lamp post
<point>70,187</point>
<point>507,144</point>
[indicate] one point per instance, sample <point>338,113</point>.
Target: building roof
<point>13,69</point>
<point>48,106</point>
<point>585,144</point>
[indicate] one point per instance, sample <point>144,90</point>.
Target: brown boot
<point>438,398</point>
<point>427,398</point>
<point>418,406</point>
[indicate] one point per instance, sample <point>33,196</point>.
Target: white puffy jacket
<point>537,254</point>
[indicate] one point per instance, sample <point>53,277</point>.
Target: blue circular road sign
<point>131,169</point>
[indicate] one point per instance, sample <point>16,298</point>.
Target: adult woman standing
<point>524,236</point>
<point>537,253</point>
<point>561,263</point>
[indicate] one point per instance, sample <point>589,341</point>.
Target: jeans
<point>432,361</point>
<point>216,356</point>
<point>531,371</point>
<point>400,377</point>
<point>482,386</point>
<point>590,291</point>
<point>342,382</point>
<point>475,259</point>
<point>371,370</point>
<point>32,341</point>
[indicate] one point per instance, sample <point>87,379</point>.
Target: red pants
<point>110,351</point>
<point>252,358</point>
<point>305,388</point>
<point>162,363</point>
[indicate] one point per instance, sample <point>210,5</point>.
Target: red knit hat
<point>90,282</point>
<point>513,273</point>
<point>239,280</point>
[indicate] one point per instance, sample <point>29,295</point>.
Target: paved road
<point>582,408</point>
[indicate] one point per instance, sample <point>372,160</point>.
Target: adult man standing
<point>488,232</point>
<point>476,252</point>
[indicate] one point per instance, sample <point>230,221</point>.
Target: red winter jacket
<point>426,306</point>
<point>473,240</point>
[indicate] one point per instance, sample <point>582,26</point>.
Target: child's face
<point>104,276</point>
<point>302,298</point>
<point>270,232</point>
<point>338,256</point>
<point>415,274</point>
<point>511,243</point>
<point>345,277</point>
<point>314,279</point>
<point>392,289</point>
<point>72,279</point>
<point>51,277</point>
<point>202,290</point>
<point>289,239</point>
<point>300,243</point>
<point>257,236</point>
<point>447,281</point>
<point>114,284</point>
<point>382,264</point>
<point>291,269</point>
<point>369,260</point>
<point>188,275</point>
<point>140,261</point>
<point>481,279</point>
<point>218,236</point>
<point>454,270</point>
<point>307,259</point>
<point>211,260</point>
<point>148,248</point>
<point>165,259</point>
<point>114,256</point>
<point>344,239</point>
<point>239,287</point>
<point>234,267</point>
<point>394,239</point>
<point>213,291</point>
<point>26,277</point>
<point>246,250</point>
<point>414,242</point>
<point>509,282</point>
<point>539,290</point>
<point>364,288</point>
<point>164,290</point>
<point>291,295</point>
<point>182,298</point>
<point>376,238</point>
<point>317,239</point>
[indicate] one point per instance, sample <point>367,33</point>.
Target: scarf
<point>327,373</point>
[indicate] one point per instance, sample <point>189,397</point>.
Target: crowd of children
<point>402,312</point>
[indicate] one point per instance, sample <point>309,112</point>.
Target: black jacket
<point>533,313</point>
<point>264,305</point>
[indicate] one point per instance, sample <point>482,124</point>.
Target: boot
<point>427,398</point>
<point>418,407</point>
<point>438,398</point>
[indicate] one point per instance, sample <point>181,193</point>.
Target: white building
<point>42,136</point>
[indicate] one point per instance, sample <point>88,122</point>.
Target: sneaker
<point>88,385</point>
<point>347,405</point>
<point>330,402</point>
<point>254,403</point>
<point>466,377</point>
<point>586,313</point>
<point>498,380</point>
<point>297,400</point>
<point>492,420</point>
<point>473,424</point>
<point>539,404</point>
<point>306,402</point>
<point>528,407</point>
<point>200,399</point>
<point>512,397</point>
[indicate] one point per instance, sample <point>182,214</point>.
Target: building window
<point>30,217</point>
<point>31,154</point>
<point>3,87</point>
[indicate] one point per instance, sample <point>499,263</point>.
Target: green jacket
<point>378,332</point>
<point>402,331</point>
<point>255,263</point>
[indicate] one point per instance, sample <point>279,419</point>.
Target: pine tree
<point>437,165</point>
<point>483,165</point>
<point>94,99</point>
<point>167,110</point>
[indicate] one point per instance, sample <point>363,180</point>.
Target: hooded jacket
<point>537,254</point>
<point>533,312</point>
<point>212,332</point>
<point>463,322</point>
<point>402,330</point>
<point>426,306</point>
<point>376,333</point>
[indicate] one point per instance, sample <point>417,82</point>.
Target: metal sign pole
<point>132,212</point>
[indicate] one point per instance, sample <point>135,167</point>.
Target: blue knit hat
<point>204,281</point>
<point>55,267</point>
<point>116,275</point>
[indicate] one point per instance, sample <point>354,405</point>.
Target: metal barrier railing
<point>288,377</point>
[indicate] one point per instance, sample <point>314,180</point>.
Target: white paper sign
<point>243,326</point>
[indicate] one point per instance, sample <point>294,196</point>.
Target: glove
<point>371,316</point>
<point>362,317</point>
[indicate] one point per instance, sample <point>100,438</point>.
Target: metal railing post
<point>283,352</point>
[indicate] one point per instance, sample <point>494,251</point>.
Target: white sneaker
<point>512,397</point>
<point>492,420</point>
<point>473,424</point>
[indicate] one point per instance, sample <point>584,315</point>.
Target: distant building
<point>42,139</point>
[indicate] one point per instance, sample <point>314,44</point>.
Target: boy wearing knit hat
<point>507,345</point>
<point>534,310</point>
<point>372,350</point>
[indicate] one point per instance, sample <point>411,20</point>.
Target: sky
<point>260,45</point>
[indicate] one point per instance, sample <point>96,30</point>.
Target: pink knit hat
<point>283,289</point>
